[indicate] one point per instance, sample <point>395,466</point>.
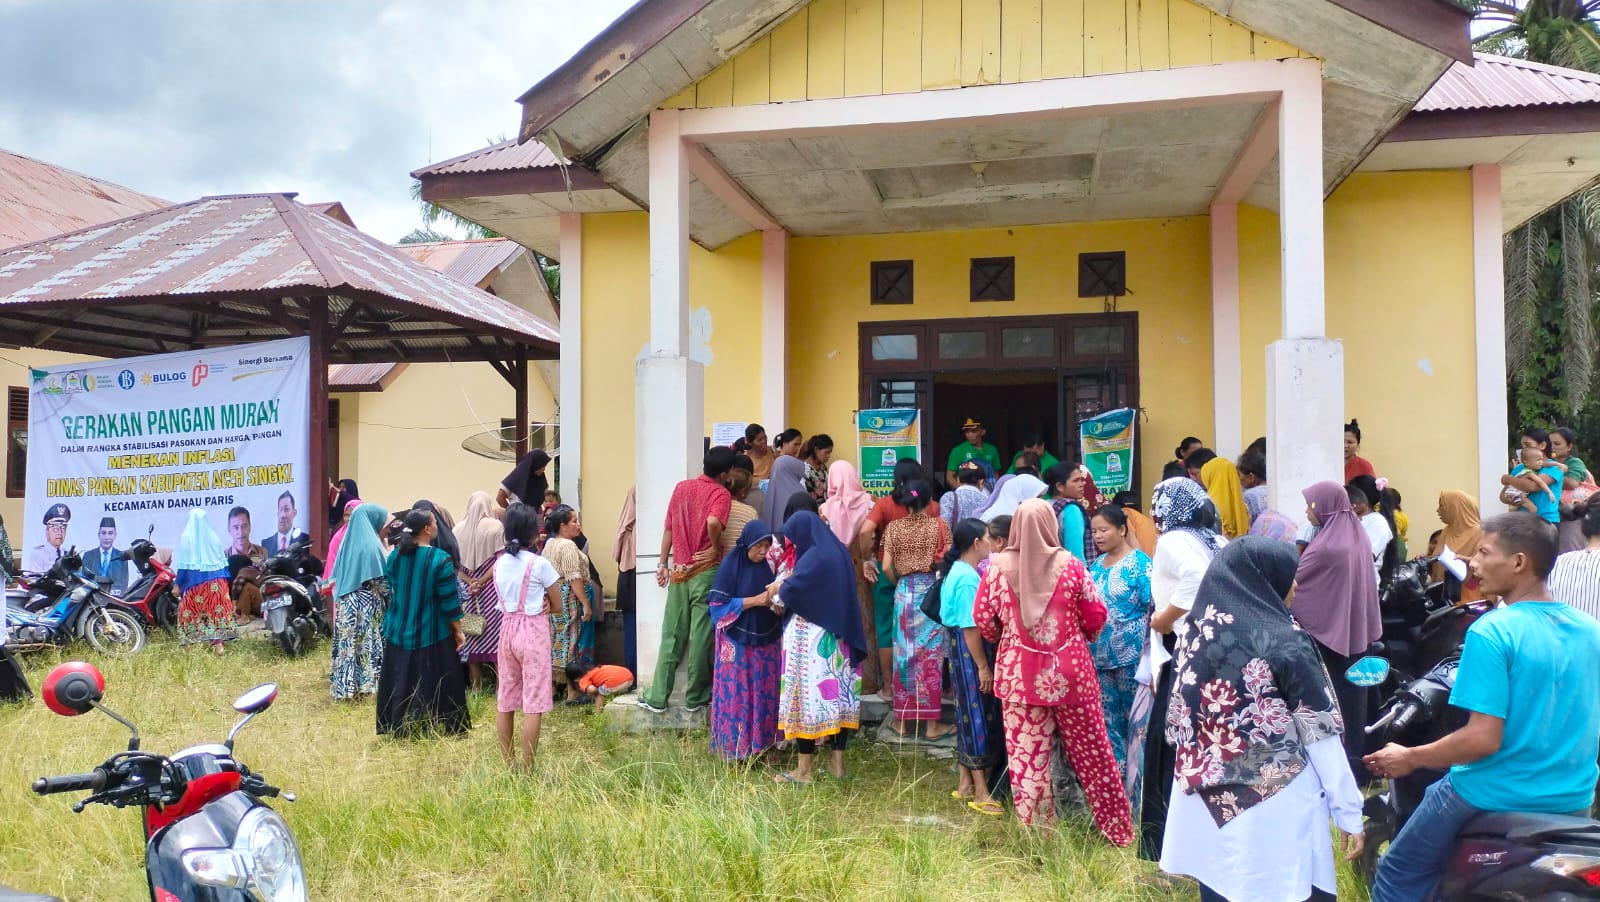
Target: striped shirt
<point>739,514</point>
<point>1576,580</point>
<point>423,598</point>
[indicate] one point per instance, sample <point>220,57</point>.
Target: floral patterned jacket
<point>1050,666</point>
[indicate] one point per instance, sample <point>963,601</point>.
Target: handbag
<point>931,601</point>
<point>472,623</point>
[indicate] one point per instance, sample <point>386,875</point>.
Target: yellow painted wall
<point>14,364</point>
<point>407,438</point>
<point>1400,297</point>
<point>1169,273</point>
<point>851,48</point>
<point>725,291</point>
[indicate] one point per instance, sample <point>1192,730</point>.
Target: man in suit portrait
<point>287,533</point>
<point>108,561</point>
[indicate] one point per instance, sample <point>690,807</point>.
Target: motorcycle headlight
<point>264,860</point>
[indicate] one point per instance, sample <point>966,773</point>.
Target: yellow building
<point>869,203</point>
<point>403,431</point>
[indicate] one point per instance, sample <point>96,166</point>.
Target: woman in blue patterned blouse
<point>1121,574</point>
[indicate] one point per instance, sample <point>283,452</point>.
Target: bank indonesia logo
<point>125,380</point>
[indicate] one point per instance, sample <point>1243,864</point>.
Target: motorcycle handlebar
<point>1408,713</point>
<point>94,781</point>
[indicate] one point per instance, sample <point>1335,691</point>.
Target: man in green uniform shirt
<point>971,449</point>
<point>1034,441</point>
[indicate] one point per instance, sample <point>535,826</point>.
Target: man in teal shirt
<point>971,449</point>
<point>1529,678</point>
<point>1034,441</point>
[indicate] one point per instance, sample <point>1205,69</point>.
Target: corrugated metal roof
<point>502,157</point>
<point>360,376</point>
<point>238,254</point>
<point>38,200</point>
<point>1499,82</point>
<point>475,262</point>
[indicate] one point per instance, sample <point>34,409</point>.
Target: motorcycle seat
<point>1520,826</point>
<point>7,894</point>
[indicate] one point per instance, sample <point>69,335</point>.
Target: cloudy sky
<point>334,100</point>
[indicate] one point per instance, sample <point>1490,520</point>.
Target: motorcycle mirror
<point>1368,671</point>
<point>256,700</point>
<point>73,688</point>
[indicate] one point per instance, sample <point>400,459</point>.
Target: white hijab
<point>200,549</point>
<point>1016,490</point>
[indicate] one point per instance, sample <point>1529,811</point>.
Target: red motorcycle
<point>154,596</point>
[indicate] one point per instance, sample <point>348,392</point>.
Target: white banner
<point>119,446</point>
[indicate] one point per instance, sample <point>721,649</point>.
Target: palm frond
<point>1527,250</point>
<point>1577,295</point>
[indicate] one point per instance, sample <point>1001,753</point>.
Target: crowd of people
<point>1148,660</point>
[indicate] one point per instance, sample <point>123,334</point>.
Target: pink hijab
<point>1336,599</point>
<point>1033,558</point>
<point>338,536</point>
<point>848,503</point>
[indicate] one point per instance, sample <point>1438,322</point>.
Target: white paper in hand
<point>1456,566</point>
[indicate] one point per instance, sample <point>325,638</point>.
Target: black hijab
<point>822,586</point>
<point>799,501</point>
<point>446,539</point>
<point>1251,690</point>
<point>527,480</point>
<point>347,492</point>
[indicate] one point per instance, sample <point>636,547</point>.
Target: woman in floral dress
<point>912,546</point>
<point>1037,603</point>
<point>1121,575</point>
<point>566,622</point>
<point>358,621</point>
<point>823,644</point>
<point>205,607</point>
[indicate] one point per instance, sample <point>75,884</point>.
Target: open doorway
<point>1010,404</point>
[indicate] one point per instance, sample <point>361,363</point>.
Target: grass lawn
<point>604,817</point>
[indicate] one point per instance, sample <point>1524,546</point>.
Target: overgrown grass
<point>604,817</point>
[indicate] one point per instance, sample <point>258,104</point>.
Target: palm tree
<point>1550,260</point>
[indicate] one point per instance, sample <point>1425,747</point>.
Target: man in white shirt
<point>43,556</point>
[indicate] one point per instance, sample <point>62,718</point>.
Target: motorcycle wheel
<point>113,631</point>
<point>1371,853</point>
<point>289,641</point>
<point>166,612</point>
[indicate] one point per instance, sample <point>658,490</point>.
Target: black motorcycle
<point>209,835</point>
<point>291,598</point>
<point>1498,855</point>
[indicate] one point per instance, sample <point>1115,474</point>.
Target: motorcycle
<point>209,835</point>
<point>63,605</point>
<point>155,592</point>
<point>1422,624</point>
<point>1498,855</point>
<point>291,598</point>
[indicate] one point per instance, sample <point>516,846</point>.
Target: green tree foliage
<point>1551,277</point>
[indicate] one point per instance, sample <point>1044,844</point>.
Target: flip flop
<point>783,777</point>
<point>956,794</point>
<point>990,808</point>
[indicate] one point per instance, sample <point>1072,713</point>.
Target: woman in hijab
<point>1260,765</point>
<point>340,494</point>
<point>526,482</point>
<point>1190,537</point>
<point>1462,534</point>
<point>749,658</point>
<point>205,609</point>
<point>13,683</point>
<point>823,645</point>
<point>1221,479</point>
<point>845,511</point>
<point>1337,598</point>
<point>446,539</point>
<point>482,539</point>
<point>7,555</point>
<point>1010,493</point>
<point>1038,605</point>
<point>788,478</point>
<point>358,625</point>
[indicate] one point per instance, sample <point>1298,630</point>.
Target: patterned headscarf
<point>1181,505</point>
<point>1252,693</point>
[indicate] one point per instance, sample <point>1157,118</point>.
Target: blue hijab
<point>361,553</point>
<point>739,578</point>
<point>822,587</point>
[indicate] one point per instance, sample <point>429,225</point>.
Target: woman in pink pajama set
<point>1039,605</point>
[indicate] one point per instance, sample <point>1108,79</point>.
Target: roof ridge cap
<point>292,213</point>
<point>1536,66</point>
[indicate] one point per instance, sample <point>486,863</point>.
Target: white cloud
<point>336,101</point>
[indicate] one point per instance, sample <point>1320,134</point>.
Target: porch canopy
<point>256,267</point>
